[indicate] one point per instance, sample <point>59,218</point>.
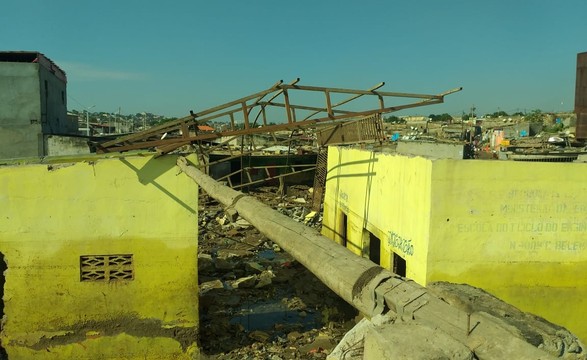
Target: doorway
<point>399,265</point>
<point>374,249</point>
<point>343,229</point>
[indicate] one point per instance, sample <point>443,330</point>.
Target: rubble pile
<point>256,301</point>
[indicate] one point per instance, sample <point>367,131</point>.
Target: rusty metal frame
<point>242,153</point>
<point>290,170</point>
<point>178,131</point>
<point>366,129</point>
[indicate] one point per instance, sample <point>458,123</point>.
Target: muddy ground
<point>256,301</point>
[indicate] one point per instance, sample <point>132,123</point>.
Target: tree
<point>164,120</point>
<point>441,117</point>
<point>536,116</point>
<point>497,114</point>
<point>394,120</point>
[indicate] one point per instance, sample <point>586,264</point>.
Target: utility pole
<point>88,119</point>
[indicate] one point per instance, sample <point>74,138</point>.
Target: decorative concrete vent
<point>106,268</point>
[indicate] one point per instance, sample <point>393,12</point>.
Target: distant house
<point>414,118</point>
<point>102,129</point>
<point>205,128</point>
<point>33,104</point>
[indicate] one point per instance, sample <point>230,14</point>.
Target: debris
<point>223,264</point>
<point>242,223</point>
<point>265,320</point>
<point>231,214</point>
<point>222,220</point>
<point>233,232</point>
<point>232,300</point>
<point>246,282</point>
<point>321,344</point>
<point>233,253</point>
<point>294,335</point>
<point>254,267</point>
<point>207,286</point>
<point>310,217</point>
<point>259,336</point>
<point>265,279</point>
<point>205,263</point>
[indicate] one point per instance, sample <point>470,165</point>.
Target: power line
<point>74,99</point>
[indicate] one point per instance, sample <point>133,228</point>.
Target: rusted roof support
<point>345,101</point>
<point>243,108</point>
<point>174,143</point>
<point>328,105</point>
<point>287,106</point>
<point>246,114</point>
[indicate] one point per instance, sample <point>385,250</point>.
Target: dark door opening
<point>374,249</point>
<point>343,226</point>
<point>399,265</point>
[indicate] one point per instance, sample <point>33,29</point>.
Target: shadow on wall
<point>3,268</point>
<point>353,169</point>
<point>149,173</point>
<point>352,163</point>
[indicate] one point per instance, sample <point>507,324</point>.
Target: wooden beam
<point>328,105</point>
<point>357,92</point>
<point>287,107</point>
<point>245,114</point>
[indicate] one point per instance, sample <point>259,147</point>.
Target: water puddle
<point>265,315</point>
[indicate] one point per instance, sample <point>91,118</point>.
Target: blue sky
<point>175,56</point>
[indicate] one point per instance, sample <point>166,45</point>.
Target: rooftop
<point>33,57</point>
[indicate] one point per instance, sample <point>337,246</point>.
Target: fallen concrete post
<point>368,287</point>
<point>351,277</point>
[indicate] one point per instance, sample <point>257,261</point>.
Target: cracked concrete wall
<point>514,229</point>
<point>57,145</point>
<point>101,259</point>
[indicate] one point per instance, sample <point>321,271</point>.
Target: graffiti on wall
<point>343,201</point>
<point>400,243</point>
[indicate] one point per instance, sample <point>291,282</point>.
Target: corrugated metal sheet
<point>367,129</point>
<point>545,158</point>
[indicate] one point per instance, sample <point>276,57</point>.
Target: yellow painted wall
<point>515,229</point>
<point>50,215</point>
<point>385,194</point>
